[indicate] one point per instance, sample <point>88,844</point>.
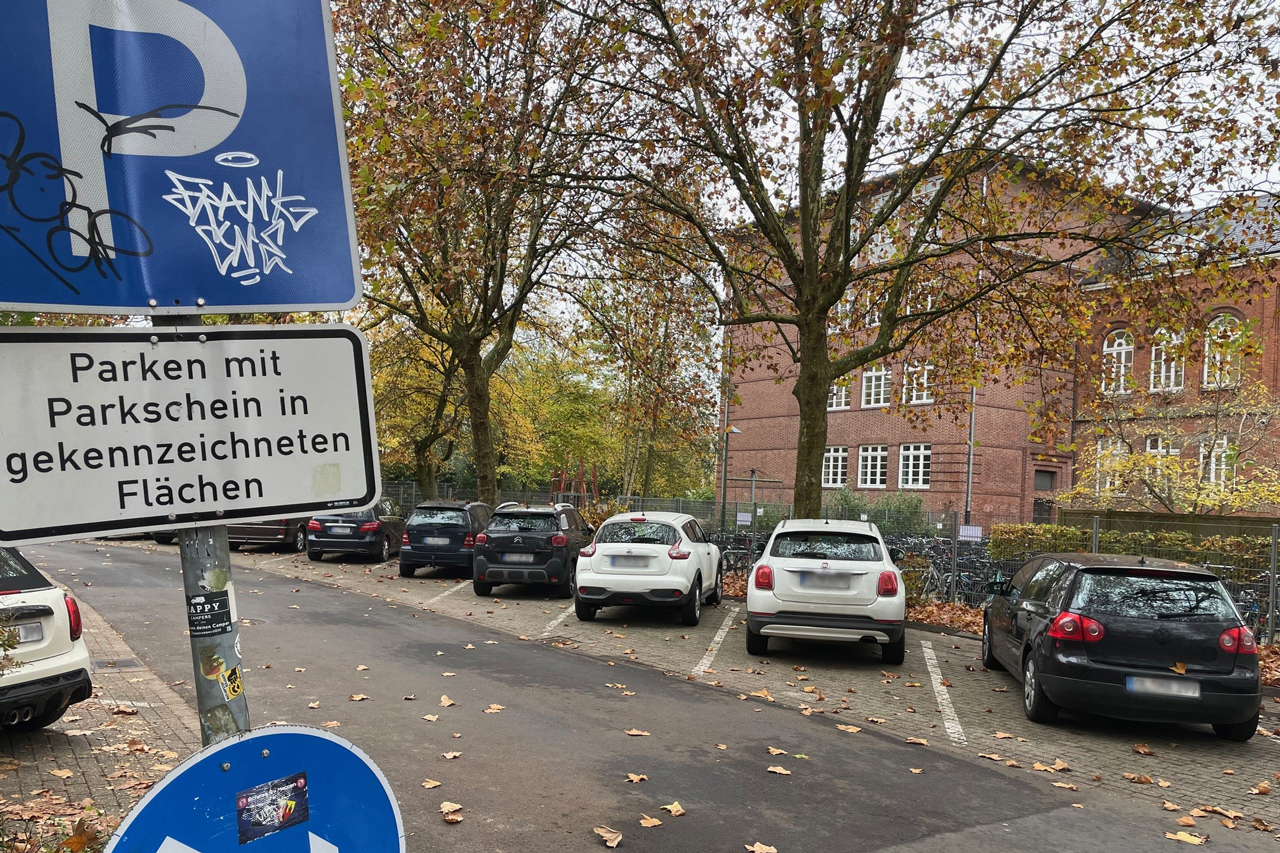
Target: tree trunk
<point>483,455</point>
<point>427,472</point>
<point>811,388</point>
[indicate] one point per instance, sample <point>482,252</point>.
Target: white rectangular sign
<point>128,430</point>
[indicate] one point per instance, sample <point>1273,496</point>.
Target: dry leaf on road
<point>781,771</point>
<point>431,718</point>
<point>760,848</point>
<point>916,770</point>
<point>1066,785</point>
<point>636,777</point>
<point>61,774</point>
<point>449,756</point>
<point>773,750</point>
<point>431,783</point>
<point>1002,736</point>
<point>1137,779</point>
<point>637,733</point>
<point>918,741</point>
<point>877,720</point>
<point>1188,837</point>
<point>361,668</point>
<point>1185,821</point>
<point>411,697</point>
<point>1263,787</point>
<point>722,746</point>
<point>468,646</point>
<point>851,729</point>
<point>1170,807</point>
<point>675,809</point>
<point>313,705</point>
<point>332,724</point>
<point>991,756</point>
<point>445,702</point>
<point>1059,764</point>
<point>1142,749</point>
<point>612,838</point>
<point>357,697</point>
<point>649,822</point>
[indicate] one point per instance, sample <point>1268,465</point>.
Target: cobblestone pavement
<point>105,752</point>
<point>942,694</point>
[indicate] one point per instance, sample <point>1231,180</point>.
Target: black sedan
<point>1127,637</point>
<point>372,532</point>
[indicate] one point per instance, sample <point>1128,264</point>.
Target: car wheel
<point>481,589</point>
<point>988,657</point>
<point>51,715</point>
<point>1239,732</point>
<point>691,610</point>
<point>757,644</point>
<point>893,654</point>
<point>408,571</point>
<point>299,540</point>
<point>585,612</point>
<point>565,588</point>
<point>233,546</point>
<point>315,556</point>
<point>717,594</point>
<point>1036,704</point>
<point>164,538</point>
<point>385,553</point>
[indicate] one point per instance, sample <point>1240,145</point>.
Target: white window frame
<point>1161,448</point>
<point>1117,362</point>
<point>917,384</point>
<point>873,459</point>
<point>915,466</point>
<point>837,397</point>
<point>1110,480</point>
<point>835,468</point>
<point>1213,463</point>
<point>1168,370</point>
<point>877,385</point>
<point>1221,370</point>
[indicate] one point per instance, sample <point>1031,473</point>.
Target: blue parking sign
<point>286,789</point>
<point>173,156</point>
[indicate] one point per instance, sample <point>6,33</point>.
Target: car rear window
<point>1152,596</point>
<point>638,532</point>
<point>525,522</point>
<point>17,576</point>
<point>362,515</point>
<point>826,545</point>
<point>443,516</point>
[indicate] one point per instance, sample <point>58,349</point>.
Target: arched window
<point>1117,362</point>
<point>1222,357</point>
<point>1168,367</point>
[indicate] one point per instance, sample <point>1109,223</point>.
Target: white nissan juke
<point>656,559</point>
<point>822,579</point>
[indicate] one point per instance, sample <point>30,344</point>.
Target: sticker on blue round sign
<point>283,789</point>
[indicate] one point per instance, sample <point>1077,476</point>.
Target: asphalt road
<point>553,764</point>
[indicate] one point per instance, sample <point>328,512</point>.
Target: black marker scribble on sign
<point>42,191</point>
<point>126,126</point>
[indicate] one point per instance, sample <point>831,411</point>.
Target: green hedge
<point>1014,541</point>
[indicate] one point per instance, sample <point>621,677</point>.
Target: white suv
<point>52,661</point>
<point>827,580</point>
<point>660,559</point>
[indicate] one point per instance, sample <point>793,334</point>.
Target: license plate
<point>341,528</point>
<point>1163,686</point>
<point>436,540</point>
<point>30,632</point>
<point>814,580</point>
<point>517,558</point>
<point>628,562</point>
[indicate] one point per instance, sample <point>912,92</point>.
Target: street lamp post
<point>729,430</point>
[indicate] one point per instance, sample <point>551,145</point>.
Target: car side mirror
<point>896,555</point>
<point>995,587</point>
<point>758,549</point>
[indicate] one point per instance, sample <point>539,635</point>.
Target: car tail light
<point>73,615</point>
<point>469,540</point>
<point>1238,641</point>
<point>888,584</point>
<point>371,527</point>
<point>313,525</point>
<point>764,577</point>
<point>589,551</point>
<point>638,518</point>
<point>404,538</point>
<point>481,538</point>
<point>1073,626</point>
<point>559,540</point>
<point>675,552</point>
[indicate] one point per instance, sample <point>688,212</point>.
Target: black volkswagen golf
<point>1127,637</point>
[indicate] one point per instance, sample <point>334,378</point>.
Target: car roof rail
<point>565,506</point>
<point>506,505</point>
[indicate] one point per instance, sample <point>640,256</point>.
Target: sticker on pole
<point>285,789</point>
<point>130,430</point>
<point>173,156</point>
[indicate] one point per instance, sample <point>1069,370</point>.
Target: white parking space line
<point>949,719</point>
<point>555,623</point>
<point>276,560</point>
<point>449,591</point>
<point>715,643</point>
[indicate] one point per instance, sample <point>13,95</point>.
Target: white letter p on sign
<point>88,136</point>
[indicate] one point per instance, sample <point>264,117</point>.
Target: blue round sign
<point>286,789</point>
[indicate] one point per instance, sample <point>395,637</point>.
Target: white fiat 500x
<point>656,559</point>
<point>821,579</point>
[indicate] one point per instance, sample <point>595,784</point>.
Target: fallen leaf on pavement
<point>449,756</point>
<point>448,674</point>
<point>468,646</point>
<point>1164,784</point>
<point>636,777</point>
<point>992,756</point>
<point>781,771</point>
<point>357,697</point>
<point>1234,815</point>
<point>313,705</point>
<point>1170,807</point>
<point>916,770</point>
<point>1059,764</point>
<point>1228,772</point>
<point>919,741</point>
<point>1185,821</point>
<point>675,809</point>
<point>851,729</point>
<point>612,838</point>
<point>1142,749</point>
<point>760,848</point>
<point>431,783</point>
<point>1261,825</point>
<point>411,697</point>
<point>1066,785</point>
<point>637,733</point>
<point>1229,824</point>
<point>445,702</point>
<point>332,724</point>
<point>1002,736</point>
<point>1198,813</point>
<point>1138,780</point>
<point>1188,837</point>
<point>447,808</point>
<point>61,774</point>
<point>649,822</point>
<point>1012,763</point>
<point>1045,768</point>
<point>773,750</point>
<point>1262,787</point>
<point>361,668</point>
<point>299,669</point>
<point>876,720</point>
<point>431,718</point>
<point>722,746</point>
<point>491,642</point>
<point>495,709</point>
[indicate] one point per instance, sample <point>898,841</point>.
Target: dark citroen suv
<point>1128,637</point>
<point>442,533</point>
<point>372,532</point>
<point>531,545</point>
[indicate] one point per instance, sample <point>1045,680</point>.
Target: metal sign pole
<point>1271,587</point>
